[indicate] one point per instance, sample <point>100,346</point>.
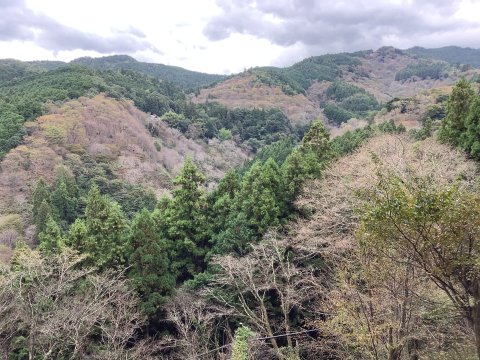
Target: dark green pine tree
<point>65,205</point>
<point>306,161</point>
<point>260,199</point>
<point>106,230</point>
<point>51,240</point>
<point>149,262</point>
<point>184,222</point>
<point>43,212</point>
<point>471,141</point>
<point>40,194</point>
<point>77,235</point>
<point>453,130</point>
<point>222,201</point>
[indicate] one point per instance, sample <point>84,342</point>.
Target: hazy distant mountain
<point>185,79</point>
<point>451,54</point>
<point>181,77</point>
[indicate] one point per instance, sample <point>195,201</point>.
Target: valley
<point>328,209</point>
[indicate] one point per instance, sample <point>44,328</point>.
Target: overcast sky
<point>226,36</point>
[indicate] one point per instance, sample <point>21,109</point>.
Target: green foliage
<point>51,238</point>
<point>240,348</point>
<point>452,54</point>
<point>297,78</point>
<point>149,262</point>
<point>183,78</point>
<point>423,70</point>
<point>40,194</point>
<point>350,141</point>
<point>182,221</point>
<point>337,114</point>
<point>350,101</point>
<point>389,127</point>
<point>64,204</point>
<point>339,90</point>
<point>106,231</point>
<point>224,134</point>
<point>471,140</point>
<point>11,130</point>
<point>258,127</point>
<point>434,228</point>
<point>458,106</point>
<point>44,211</point>
<point>13,69</point>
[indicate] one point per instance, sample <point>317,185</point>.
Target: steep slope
<point>455,55</point>
<point>13,69</point>
<point>185,79</point>
<point>304,90</point>
<point>104,139</point>
<point>245,91</point>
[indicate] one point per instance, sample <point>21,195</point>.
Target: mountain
<point>183,78</point>
<point>305,212</point>
<point>336,87</point>
<point>454,55</point>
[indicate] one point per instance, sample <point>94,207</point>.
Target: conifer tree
<point>63,203</point>
<point>77,235</point>
<point>51,238</point>
<point>259,194</point>
<point>106,230</point>
<point>458,105</point>
<point>42,215</point>
<point>184,222</point>
<point>240,349</point>
<point>471,141</point>
<point>149,262</point>
<point>40,194</point>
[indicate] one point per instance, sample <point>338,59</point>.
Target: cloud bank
<point>317,27</point>
<point>18,22</point>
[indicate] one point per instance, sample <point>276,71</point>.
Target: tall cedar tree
<point>458,105</point>
<point>106,230</point>
<point>183,221</point>
<point>472,135</point>
<point>149,262</point>
<point>40,194</point>
<point>51,239</point>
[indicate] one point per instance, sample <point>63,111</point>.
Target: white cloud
<point>228,36</point>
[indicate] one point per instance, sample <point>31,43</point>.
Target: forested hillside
<point>328,210</point>
<point>336,87</point>
<point>183,78</point>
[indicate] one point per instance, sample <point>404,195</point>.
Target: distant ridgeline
<point>25,88</point>
<point>184,79</point>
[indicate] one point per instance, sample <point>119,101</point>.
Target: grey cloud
<point>18,22</point>
<point>335,25</point>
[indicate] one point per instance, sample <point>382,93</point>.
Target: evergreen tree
<point>77,236</point>
<point>106,230</point>
<point>40,194</point>
<point>184,222</point>
<point>63,203</point>
<point>51,238</point>
<point>471,141</point>
<point>458,105</point>
<point>222,201</point>
<point>44,211</point>
<point>260,196</point>
<point>149,262</point>
<point>241,346</point>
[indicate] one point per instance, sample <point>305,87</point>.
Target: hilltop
<point>336,87</point>
<point>183,78</point>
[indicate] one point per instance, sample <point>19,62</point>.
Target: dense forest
<point>362,245</point>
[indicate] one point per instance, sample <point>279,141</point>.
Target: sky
<point>229,36</point>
